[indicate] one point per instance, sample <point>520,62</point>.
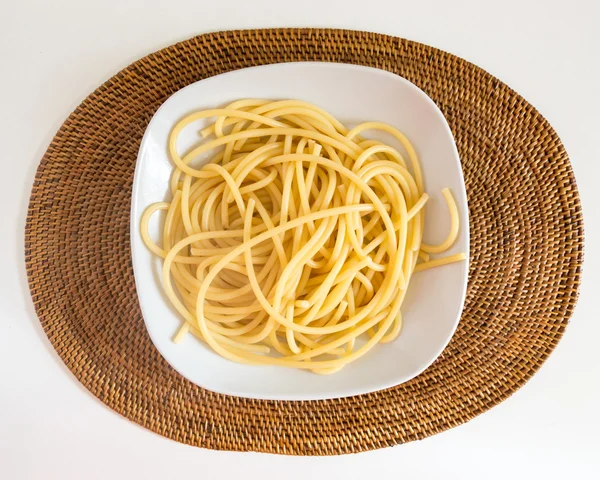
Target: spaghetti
<point>295,244</point>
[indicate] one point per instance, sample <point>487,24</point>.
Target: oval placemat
<point>526,252</point>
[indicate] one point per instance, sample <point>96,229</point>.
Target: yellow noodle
<point>440,261</point>
<point>297,238</point>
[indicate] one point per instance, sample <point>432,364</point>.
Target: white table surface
<point>54,53</point>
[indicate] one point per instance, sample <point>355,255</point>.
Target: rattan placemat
<point>526,252</point>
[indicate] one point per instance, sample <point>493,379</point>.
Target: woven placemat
<point>526,252</point>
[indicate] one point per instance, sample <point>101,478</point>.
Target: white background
<point>54,53</point>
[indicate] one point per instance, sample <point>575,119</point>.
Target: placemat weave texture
<point>526,251</point>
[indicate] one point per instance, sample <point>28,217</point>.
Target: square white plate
<point>354,94</point>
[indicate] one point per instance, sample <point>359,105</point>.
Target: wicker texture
<point>526,252</point>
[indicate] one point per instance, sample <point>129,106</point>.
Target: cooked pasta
<point>295,244</point>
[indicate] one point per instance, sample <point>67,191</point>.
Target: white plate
<point>353,94</point>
